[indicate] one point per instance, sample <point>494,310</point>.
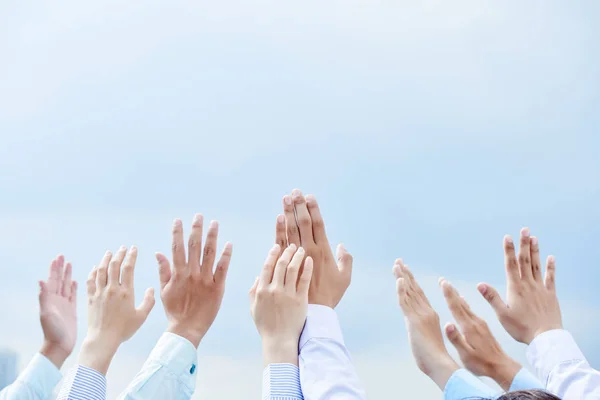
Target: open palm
<point>58,306</point>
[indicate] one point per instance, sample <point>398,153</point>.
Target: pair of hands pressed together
<point>531,309</point>
<point>190,291</point>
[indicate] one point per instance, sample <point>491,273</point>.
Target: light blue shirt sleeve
<point>326,369</point>
<point>464,385</point>
<point>36,382</point>
<point>169,373</point>
<point>281,382</point>
<point>83,383</point>
<point>524,380</point>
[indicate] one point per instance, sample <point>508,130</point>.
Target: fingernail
<point>280,219</point>
<point>197,218</point>
<point>122,248</point>
<point>508,239</point>
<point>296,193</point>
<point>534,241</point>
<point>310,198</point>
<point>133,248</point>
<point>525,232</point>
<point>551,259</point>
<point>213,224</point>
<point>483,289</point>
<point>451,328</point>
<point>177,222</point>
<point>300,249</point>
<point>288,200</point>
<point>293,246</point>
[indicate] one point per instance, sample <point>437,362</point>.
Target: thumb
<point>164,269</point>
<point>252,292</point>
<point>456,338</point>
<point>344,260</point>
<point>492,297</point>
<point>147,304</point>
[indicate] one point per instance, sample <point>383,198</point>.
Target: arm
<point>279,299</point>
<point>326,369</point>
<point>112,319</point>
<point>191,293</point>
<point>58,316</point>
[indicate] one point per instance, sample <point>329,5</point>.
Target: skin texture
<point>112,315</point>
<point>423,325</point>
<point>279,302</point>
<point>58,312</point>
<point>302,225</point>
<point>478,349</point>
<point>192,290</point>
<point>531,306</point>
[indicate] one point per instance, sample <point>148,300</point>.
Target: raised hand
<point>531,306</point>
<point>423,324</point>
<point>279,302</point>
<point>112,315</point>
<point>191,291</point>
<point>304,227</point>
<point>478,349</point>
<point>58,312</point>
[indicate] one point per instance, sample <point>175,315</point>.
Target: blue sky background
<point>426,130</point>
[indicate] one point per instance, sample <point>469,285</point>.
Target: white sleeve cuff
<point>179,356</point>
<point>551,349</point>
<point>41,376</point>
<point>321,323</point>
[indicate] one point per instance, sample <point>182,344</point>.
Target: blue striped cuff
<point>281,382</point>
<point>83,383</point>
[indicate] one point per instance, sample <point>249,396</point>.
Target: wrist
<point>280,351</point>
<point>193,335</point>
<point>539,331</point>
<point>97,353</point>
<point>54,353</point>
<point>442,371</point>
<point>504,372</point>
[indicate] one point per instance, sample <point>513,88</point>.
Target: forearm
<point>97,353</point>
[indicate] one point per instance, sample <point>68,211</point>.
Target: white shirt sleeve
<point>326,369</point>
<point>169,373</point>
<point>561,366</point>
<point>36,382</point>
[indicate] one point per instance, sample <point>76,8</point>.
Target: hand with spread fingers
<point>112,315</point>
<point>531,306</point>
<point>192,290</point>
<point>302,225</point>
<point>479,351</point>
<point>279,303</point>
<point>58,312</point>
<point>424,332</point>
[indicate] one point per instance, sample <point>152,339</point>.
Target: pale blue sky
<point>426,130</point>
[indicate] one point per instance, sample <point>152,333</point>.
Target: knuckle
<point>209,251</point>
<point>318,223</point>
<point>304,221</point>
<point>524,258</point>
<point>193,243</point>
<point>292,230</point>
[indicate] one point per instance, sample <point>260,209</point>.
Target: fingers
<point>344,261</point>
<point>114,268</point>
<point>318,225</point>
<point>303,218</point>
<point>266,275</point>
<point>147,304</point>
<point>291,228</point>
<point>102,271</point>
<point>457,339</point>
<point>510,261</point>
<point>180,266</point>
<point>44,289</point>
<point>223,264</point>
<point>282,264</point>
<point>525,255</point>
<point>305,277</point>
<point>549,281</point>
<point>52,283</point>
<point>164,269</point>
<point>397,268</point>
<point>492,297</point>
<point>280,236</point>
<point>291,274</point>
<point>195,243</point>
<point>210,250</point>
<point>129,267</point>
<point>91,282</point>
<point>60,265</point>
<point>455,303</point>
<point>252,291</point>
<point>66,286</point>
<point>402,291</point>
<point>73,296</point>
<point>536,263</point>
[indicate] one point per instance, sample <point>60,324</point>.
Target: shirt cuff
<point>524,380</point>
<point>550,349</point>
<point>179,356</point>
<point>83,383</point>
<point>464,385</point>
<point>321,323</point>
<point>41,376</point>
<point>281,382</point>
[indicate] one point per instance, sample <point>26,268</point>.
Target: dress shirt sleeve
<point>524,380</point>
<point>464,385</point>
<point>83,383</point>
<point>36,382</point>
<point>326,369</point>
<point>561,366</point>
<point>169,372</point>
<point>281,382</point>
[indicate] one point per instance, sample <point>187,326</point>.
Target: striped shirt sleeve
<point>83,383</point>
<point>281,382</point>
